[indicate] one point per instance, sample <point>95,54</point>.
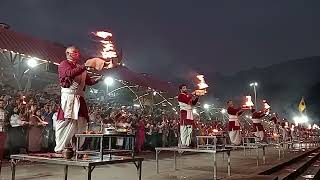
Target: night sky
<point>170,37</point>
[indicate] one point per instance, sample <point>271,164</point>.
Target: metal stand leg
<point>101,148</point>
<point>197,142</point>
<point>109,143</point>
<point>229,163</point>
<point>175,160</point>
<point>139,169</point>
<point>13,169</point>
<point>264,155</point>
<point>157,161</point>
<point>66,172</point>
<point>133,140</point>
<point>257,151</point>
<point>77,147</point>
<point>90,169</point>
<point>214,166</point>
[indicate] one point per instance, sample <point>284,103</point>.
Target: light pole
<point>254,85</point>
<point>31,63</point>
<point>108,81</point>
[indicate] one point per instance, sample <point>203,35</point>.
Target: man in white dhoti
<point>234,125</point>
<point>186,101</point>
<point>73,114</point>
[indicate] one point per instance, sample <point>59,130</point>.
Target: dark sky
<point>169,37</point>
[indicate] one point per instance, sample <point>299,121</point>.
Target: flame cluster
<point>202,83</point>
<point>108,50</point>
<point>248,103</point>
<point>202,86</point>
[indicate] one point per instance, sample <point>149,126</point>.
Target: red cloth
<point>232,126</point>
<point>257,115</point>
<point>274,120</point>
<point>140,136</point>
<point>187,99</point>
<point>257,126</point>
<point>83,111</point>
<point>67,72</point>
<point>234,112</point>
<point>3,137</point>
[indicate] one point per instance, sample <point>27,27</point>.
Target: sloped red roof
<point>53,52</point>
<point>30,46</point>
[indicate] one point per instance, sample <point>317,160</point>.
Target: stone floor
<point>190,167</point>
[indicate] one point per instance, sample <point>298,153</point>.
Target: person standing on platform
<point>275,120</point>
<point>72,116</point>
<point>257,127</point>
<point>186,101</point>
<point>234,125</point>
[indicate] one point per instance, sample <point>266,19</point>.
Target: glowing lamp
<point>32,62</point>
<point>108,81</point>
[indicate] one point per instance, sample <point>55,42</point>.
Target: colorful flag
<point>302,105</point>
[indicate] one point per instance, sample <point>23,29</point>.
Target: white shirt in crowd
<point>15,120</point>
<point>54,120</point>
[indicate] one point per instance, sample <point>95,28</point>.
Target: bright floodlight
<point>254,84</point>
<point>108,81</point>
<point>206,106</point>
<point>154,93</point>
<point>223,111</point>
<point>194,111</point>
<point>136,105</point>
<point>300,119</point>
<point>32,62</point>
<point>304,119</point>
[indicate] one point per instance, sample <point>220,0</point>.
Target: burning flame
<point>202,84</point>
<point>103,34</point>
<point>248,104</point>
<point>108,50</point>
<point>266,105</point>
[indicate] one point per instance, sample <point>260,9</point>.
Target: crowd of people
<point>29,120</point>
